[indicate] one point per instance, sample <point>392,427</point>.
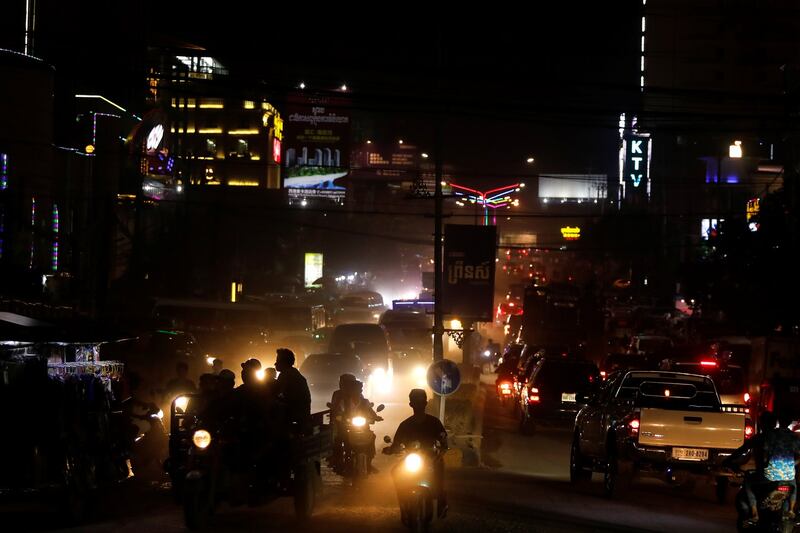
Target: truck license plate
<point>568,397</point>
<point>690,454</point>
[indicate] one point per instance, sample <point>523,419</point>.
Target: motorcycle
<point>415,481</point>
<point>772,500</point>
<point>356,446</point>
<point>148,436</point>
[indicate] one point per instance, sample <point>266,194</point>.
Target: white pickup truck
<point>670,424</point>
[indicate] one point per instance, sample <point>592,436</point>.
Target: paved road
<point>522,487</point>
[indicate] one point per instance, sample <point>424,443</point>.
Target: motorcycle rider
<point>428,431</point>
<point>774,451</point>
<point>337,417</point>
<point>354,404</point>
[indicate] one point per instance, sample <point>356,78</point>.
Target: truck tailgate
<point>700,429</point>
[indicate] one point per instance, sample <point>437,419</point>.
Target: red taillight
<point>633,425</point>
<point>708,363</point>
<point>748,431</point>
<point>533,395</point>
<point>603,374</point>
<point>746,397</point>
<point>784,488</point>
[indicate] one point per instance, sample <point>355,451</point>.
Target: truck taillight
<point>746,398</point>
<point>633,426</point>
<point>603,374</point>
<point>749,430</point>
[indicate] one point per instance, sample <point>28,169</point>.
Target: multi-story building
<point>220,132</point>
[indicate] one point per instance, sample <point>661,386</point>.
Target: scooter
<point>772,499</point>
<point>415,481</point>
<point>359,445</point>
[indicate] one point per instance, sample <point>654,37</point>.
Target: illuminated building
<point>216,133</point>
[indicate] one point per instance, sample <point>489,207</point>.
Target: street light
<point>529,160</point>
<point>302,85</point>
<point>424,155</point>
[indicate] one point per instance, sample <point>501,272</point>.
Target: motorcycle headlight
<point>261,374</point>
<point>487,353</point>
<point>201,438</point>
<point>358,421</point>
<point>160,414</point>
<point>181,403</point>
<point>413,462</point>
<point>420,371</point>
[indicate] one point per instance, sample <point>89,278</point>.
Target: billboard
<point>313,268</point>
<point>469,261</point>
<point>316,145</point>
<point>573,186</point>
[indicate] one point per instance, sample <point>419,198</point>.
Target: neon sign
<point>571,233</point>
<point>637,158</point>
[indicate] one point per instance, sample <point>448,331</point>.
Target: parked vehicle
<point>668,424</point>
<point>550,395</point>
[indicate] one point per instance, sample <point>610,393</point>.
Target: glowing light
<point>261,374</point>
<point>303,202</point>
<point>54,252</point>
<point>529,160</point>
<point>455,324</point>
<point>233,292</point>
<point>89,149</point>
<point>735,150</point>
<point>201,438</point>
<point>344,87</point>
<point>212,106</point>
<point>103,98</point>
<point>242,183</point>
<point>424,155</point>
<point>400,141</point>
<point>358,421</point>
<point>209,130</point>
<point>248,131</point>
<point>249,104</point>
<point>3,172</point>
<point>302,85</point>
<point>413,462</point>
<point>571,233</point>
<point>181,403</point>
<point>154,137</point>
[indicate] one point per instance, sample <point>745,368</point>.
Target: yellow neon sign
<point>571,233</point>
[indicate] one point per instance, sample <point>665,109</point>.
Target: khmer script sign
<point>469,259</point>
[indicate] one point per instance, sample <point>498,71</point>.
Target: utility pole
<point>438,323</point>
<point>438,314</point>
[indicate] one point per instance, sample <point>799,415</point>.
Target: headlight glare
<point>413,462</point>
<point>358,421</point>
<point>201,438</point>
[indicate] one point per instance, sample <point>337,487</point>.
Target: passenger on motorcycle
<point>291,389</point>
<point>774,451</point>
<point>429,432</point>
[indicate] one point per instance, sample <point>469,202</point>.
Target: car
<point>371,344</point>
<point>623,361</point>
<point>322,371</point>
<point>667,424</point>
<point>550,395</point>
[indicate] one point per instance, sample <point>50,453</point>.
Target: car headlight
<point>420,371</point>
<point>201,438</point>
<point>413,462</point>
<point>358,421</point>
<point>210,360</point>
<point>379,373</point>
<point>181,403</point>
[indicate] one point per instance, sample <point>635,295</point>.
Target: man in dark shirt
<point>180,384</point>
<point>291,388</point>
<point>428,431</point>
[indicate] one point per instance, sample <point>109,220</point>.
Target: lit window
<point>241,147</point>
<point>249,104</point>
